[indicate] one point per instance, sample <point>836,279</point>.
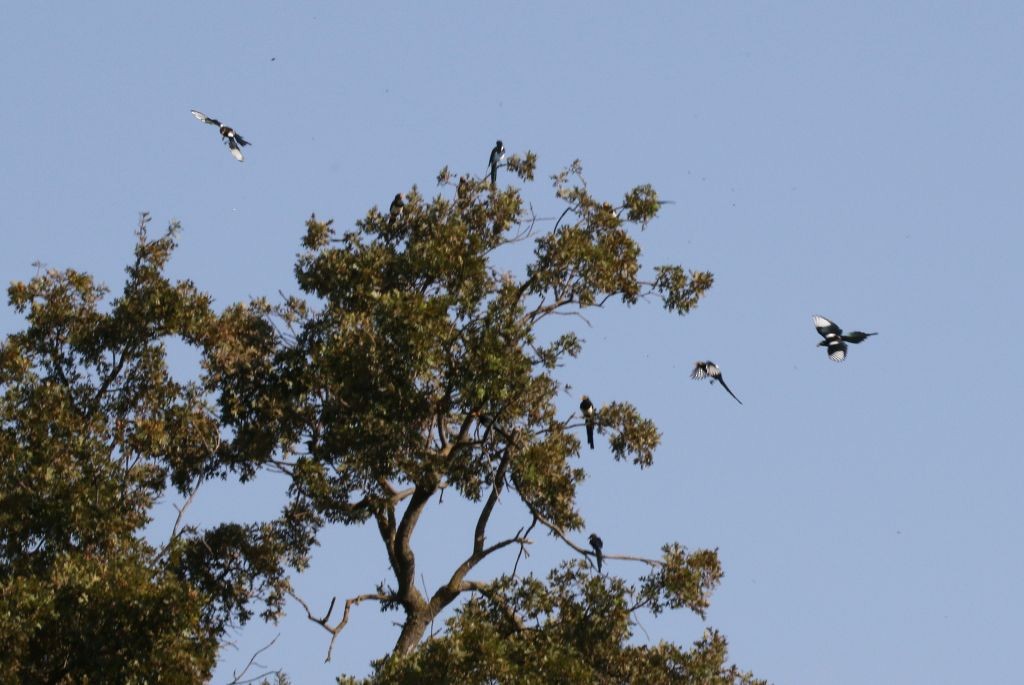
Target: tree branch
<point>557,530</point>
<point>404,564</point>
<point>323,621</point>
<point>237,677</point>
<point>485,590</point>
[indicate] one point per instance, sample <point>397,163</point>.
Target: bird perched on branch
<point>587,407</point>
<point>397,205</point>
<point>709,369</point>
<point>234,141</point>
<point>834,338</point>
<point>497,155</point>
<point>598,545</point>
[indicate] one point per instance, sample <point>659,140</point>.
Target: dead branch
<point>323,621</point>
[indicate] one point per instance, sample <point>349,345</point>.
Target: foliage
<point>410,365</point>
<point>573,628</point>
<point>93,428</point>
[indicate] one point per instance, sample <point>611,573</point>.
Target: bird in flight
<point>396,208</point>
<point>598,545</point>
<point>709,369</point>
<point>834,338</point>
<point>497,154</point>
<point>235,142</point>
<point>587,407</point>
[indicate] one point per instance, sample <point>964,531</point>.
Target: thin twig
<point>237,677</point>
<point>522,547</point>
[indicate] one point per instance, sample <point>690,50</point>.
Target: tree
<point>409,367</point>
<point>93,428</point>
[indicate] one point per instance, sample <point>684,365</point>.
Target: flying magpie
<point>235,142</point>
<point>710,370</point>
<point>834,338</point>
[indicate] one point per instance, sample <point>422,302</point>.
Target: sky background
<point>856,160</point>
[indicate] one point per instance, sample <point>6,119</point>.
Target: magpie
<point>834,338</point>
<point>710,370</point>
<point>587,407</point>
<point>497,154</point>
<point>397,205</point>
<point>235,142</point>
<point>598,545</point>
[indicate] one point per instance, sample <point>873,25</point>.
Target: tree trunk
<point>412,631</point>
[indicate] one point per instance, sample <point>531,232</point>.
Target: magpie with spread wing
<point>587,407</point>
<point>834,338</point>
<point>709,369</point>
<point>234,141</point>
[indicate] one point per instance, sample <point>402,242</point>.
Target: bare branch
<point>557,530</point>
<point>177,528</point>
<point>522,547</point>
<point>236,678</point>
<point>323,621</point>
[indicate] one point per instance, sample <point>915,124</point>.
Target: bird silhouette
<point>834,338</point>
<point>234,141</point>
<point>397,205</point>
<point>497,154</point>
<point>587,407</point>
<point>598,545</point>
<point>709,369</point>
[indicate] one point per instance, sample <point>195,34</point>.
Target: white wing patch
<point>200,116</point>
<point>821,322</point>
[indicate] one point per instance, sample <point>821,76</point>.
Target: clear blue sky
<point>857,160</point>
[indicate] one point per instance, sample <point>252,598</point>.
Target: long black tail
<point>728,390</point>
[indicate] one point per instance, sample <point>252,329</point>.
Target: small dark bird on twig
<point>497,155</point>
<point>598,545</point>
<point>397,205</point>
<point>234,141</point>
<point>709,369</point>
<point>587,407</point>
<point>834,338</point>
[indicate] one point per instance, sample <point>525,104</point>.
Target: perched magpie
<point>497,154</point>
<point>587,407</point>
<point>834,338</point>
<point>598,545</point>
<point>710,370</point>
<point>397,205</point>
<point>235,142</point>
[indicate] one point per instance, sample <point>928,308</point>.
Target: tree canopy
<point>407,365</point>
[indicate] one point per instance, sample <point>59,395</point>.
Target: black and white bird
<point>587,407</point>
<point>234,141</point>
<point>709,369</point>
<point>834,338</point>
<point>395,211</point>
<point>497,155</point>
<point>598,545</point>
